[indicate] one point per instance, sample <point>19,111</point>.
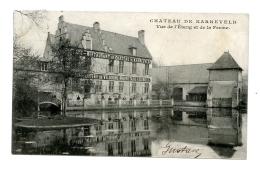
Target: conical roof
<point>226,61</point>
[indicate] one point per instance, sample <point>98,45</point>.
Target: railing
<point>142,102</point>
<point>75,103</point>
<point>166,102</point>
<point>155,102</point>
<point>119,103</point>
<point>49,99</point>
<point>127,103</point>
<point>79,141</point>
<point>111,102</point>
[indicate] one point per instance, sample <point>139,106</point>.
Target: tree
<point>162,86</point>
<point>157,63</point>
<point>25,82</point>
<point>26,73</point>
<point>28,19</point>
<point>66,66</point>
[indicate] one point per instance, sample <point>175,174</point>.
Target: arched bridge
<point>48,99</point>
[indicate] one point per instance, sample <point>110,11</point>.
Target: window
<point>134,51</point>
<point>146,144</point>
<point>87,86</point>
<point>110,149</point>
<point>133,87</point>
<point>121,66</point>
<point>133,125</point>
<point>134,67</point>
<point>146,125</point>
<point>98,130</point>
<point>75,84</point>
<point>146,87</point>
<point>60,30</point>
<point>98,86</point>
<point>111,86</point>
<point>87,63</point>
<point>88,44</point>
<point>44,66</point>
<point>120,127</point>
<point>121,87</point>
<point>133,147</point>
<point>120,148</point>
<point>48,53</point>
<point>111,65</point>
<point>146,69</point>
<point>110,126</point>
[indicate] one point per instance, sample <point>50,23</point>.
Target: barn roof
<point>193,73</point>
<point>199,90</point>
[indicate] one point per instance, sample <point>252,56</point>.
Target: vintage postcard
<point>130,84</point>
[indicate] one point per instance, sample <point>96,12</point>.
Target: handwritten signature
<point>185,149</point>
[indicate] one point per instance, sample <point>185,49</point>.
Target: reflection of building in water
<point>178,126</point>
<point>119,134</point>
<point>218,126</point>
<point>224,126</point>
<point>132,132</point>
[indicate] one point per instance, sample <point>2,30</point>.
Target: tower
<point>225,82</point>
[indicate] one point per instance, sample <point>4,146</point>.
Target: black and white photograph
<point>169,85</point>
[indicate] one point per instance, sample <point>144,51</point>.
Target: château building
<point>118,65</point>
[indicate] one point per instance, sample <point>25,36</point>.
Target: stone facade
<point>119,64</point>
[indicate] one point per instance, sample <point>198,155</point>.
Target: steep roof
<point>117,42</point>
<point>76,32</point>
<point>199,90</point>
<point>193,73</point>
<point>226,61</point>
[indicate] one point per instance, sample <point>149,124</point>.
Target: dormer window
<point>88,44</point>
<point>87,41</point>
<point>133,49</point>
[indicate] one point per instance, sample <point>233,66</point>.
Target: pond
<point>168,132</point>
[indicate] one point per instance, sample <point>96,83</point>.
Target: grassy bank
<point>56,122</point>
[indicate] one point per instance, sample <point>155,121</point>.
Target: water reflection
<point>216,132</point>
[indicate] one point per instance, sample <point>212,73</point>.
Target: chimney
<point>61,18</point>
<point>141,36</point>
<point>106,48</point>
<point>96,26</point>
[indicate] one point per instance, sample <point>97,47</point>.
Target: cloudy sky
<point>172,46</point>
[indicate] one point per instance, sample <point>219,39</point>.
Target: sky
<point>170,46</point>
